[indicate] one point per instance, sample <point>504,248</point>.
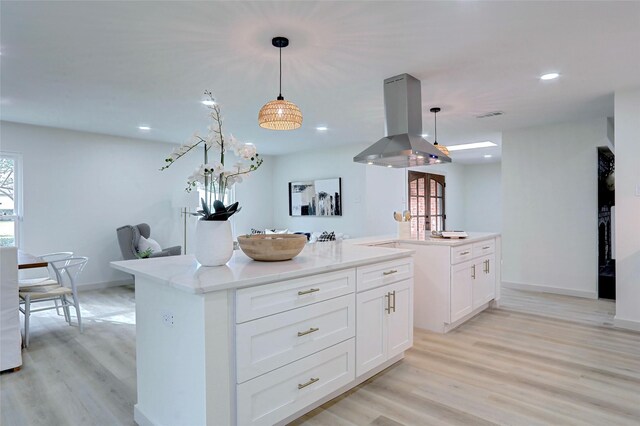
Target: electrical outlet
<point>167,319</point>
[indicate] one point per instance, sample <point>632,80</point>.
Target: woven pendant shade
<point>443,149</point>
<point>280,115</point>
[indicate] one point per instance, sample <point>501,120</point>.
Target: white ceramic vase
<point>214,242</point>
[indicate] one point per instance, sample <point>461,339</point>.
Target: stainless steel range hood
<point>404,145</point>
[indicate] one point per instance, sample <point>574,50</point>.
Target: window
<point>426,203</point>
<point>10,199</point>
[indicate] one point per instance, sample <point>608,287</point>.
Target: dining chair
<point>50,278</point>
<point>64,292</point>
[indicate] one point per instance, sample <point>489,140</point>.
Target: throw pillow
<point>145,244</point>
<point>327,236</point>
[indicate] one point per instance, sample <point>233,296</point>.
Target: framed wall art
<point>320,197</point>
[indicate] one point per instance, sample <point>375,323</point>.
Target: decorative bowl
<point>272,247</point>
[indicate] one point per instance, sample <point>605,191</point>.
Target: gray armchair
<point>128,237</point>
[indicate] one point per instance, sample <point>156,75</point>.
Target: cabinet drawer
<point>384,273</point>
<point>274,396</point>
<point>461,253</point>
<point>269,343</point>
<point>260,301</point>
<point>484,247</point>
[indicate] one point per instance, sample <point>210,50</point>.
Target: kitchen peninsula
<point>263,343</point>
<point>455,279</point>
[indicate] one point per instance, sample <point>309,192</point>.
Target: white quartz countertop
<point>185,273</point>
<point>382,239</point>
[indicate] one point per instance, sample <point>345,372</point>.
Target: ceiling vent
<point>490,114</point>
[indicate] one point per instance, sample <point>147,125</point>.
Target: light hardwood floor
<point>538,359</point>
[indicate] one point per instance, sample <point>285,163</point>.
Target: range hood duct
<point>403,146</point>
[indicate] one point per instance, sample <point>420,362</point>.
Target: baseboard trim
<point>554,290</point>
<point>139,417</point>
<point>627,324</point>
<point>103,285</point>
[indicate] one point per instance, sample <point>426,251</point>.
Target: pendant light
<point>442,148</point>
<point>280,114</point>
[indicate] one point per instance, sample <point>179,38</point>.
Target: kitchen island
<point>455,279</point>
<point>263,343</point>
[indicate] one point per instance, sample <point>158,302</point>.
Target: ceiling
<point>109,67</point>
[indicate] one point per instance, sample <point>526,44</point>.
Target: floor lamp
<point>186,202</point>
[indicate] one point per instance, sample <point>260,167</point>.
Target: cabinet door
<point>478,281</point>
<point>484,285</point>
<point>400,319</point>
<point>461,297</point>
<point>490,279</point>
<point>371,329</point>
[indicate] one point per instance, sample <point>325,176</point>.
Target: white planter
<point>214,242</point>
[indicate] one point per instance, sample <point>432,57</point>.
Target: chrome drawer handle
<point>486,247</point>
<point>311,290</point>
<point>310,382</point>
<point>464,252</point>
<point>393,271</point>
<point>473,273</point>
<point>309,331</point>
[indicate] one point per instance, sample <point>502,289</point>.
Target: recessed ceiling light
<point>488,156</point>
<point>471,146</point>
<point>549,76</point>
<point>322,128</point>
<point>144,128</point>
<point>389,165</point>
<point>425,135</point>
<point>208,102</point>
<point>369,162</point>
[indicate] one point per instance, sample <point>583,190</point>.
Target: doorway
<point>426,203</point>
<point>606,220</point>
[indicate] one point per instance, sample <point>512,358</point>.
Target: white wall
<point>256,199</point>
<point>79,187</point>
<point>627,151</point>
<point>483,197</point>
<point>549,187</point>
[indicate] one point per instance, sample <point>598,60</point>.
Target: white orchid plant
<point>212,175</point>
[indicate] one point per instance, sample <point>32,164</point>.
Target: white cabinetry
<point>473,284</point>
<point>10,340</point>
<point>257,343</point>
<point>454,282</point>
<point>384,313</point>
<point>294,344</point>
<point>272,397</point>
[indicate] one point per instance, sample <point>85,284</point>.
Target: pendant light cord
<point>435,128</point>
<point>280,94</point>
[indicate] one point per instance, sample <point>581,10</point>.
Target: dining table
<point>28,261</point>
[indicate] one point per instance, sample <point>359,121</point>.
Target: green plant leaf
<point>205,208</point>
